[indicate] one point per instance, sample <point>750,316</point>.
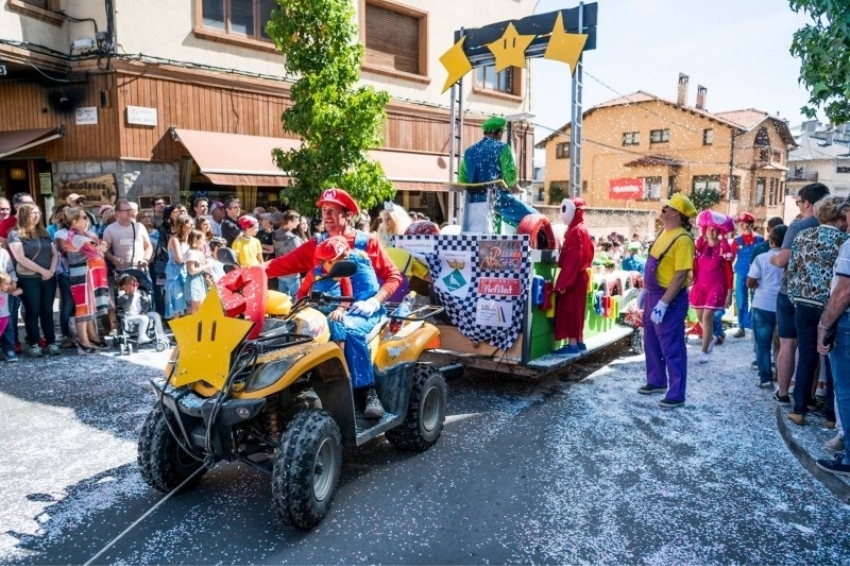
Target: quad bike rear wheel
<point>306,469</point>
<point>426,411</point>
<point>164,465</point>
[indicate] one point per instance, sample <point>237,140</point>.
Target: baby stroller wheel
<point>161,346</point>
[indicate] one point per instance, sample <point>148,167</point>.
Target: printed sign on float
<point>501,287</point>
<point>625,188</point>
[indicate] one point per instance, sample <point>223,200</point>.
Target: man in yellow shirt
<point>665,303</point>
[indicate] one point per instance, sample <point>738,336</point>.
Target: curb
<point>838,487</point>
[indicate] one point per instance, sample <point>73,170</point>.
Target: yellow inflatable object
<point>277,303</point>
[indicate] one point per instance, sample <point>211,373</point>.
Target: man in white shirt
<point>766,279</point>
<point>129,246</point>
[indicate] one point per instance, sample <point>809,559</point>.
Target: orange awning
<point>235,159</point>
<point>20,140</point>
<point>409,171</point>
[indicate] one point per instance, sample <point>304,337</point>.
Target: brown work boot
<point>797,418</point>
<point>374,409</point>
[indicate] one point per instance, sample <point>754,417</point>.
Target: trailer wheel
<point>306,469</point>
<point>163,464</point>
<point>426,411</point>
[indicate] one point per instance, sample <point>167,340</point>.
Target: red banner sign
<point>625,189</point>
<point>503,287</point>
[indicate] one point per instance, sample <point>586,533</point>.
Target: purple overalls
<point>664,344</point>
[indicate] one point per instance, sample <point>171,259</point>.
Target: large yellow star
<point>509,50</point>
<point>456,63</point>
<point>563,46</point>
<point>205,341</point>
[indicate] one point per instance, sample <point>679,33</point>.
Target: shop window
<point>562,150</point>
<point>760,184</point>
<point>659,136</point>
<point>631,138</point>
<point>842,169</point>
<point>735,188</point>
<point>239,19</point>
<point>395,38</point>
<point>486,78</point>
<point>652,188</point>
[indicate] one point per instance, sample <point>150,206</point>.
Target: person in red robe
<point>572,282</point>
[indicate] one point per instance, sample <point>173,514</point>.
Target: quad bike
<point>275,394</point>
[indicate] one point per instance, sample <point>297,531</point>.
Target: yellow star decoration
<point>509,50</point>
<point>563,46</point>
<point>205,340</point>
<point>456,63</point>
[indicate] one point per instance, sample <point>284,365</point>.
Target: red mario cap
<point>746,217</point>
<point>339,197</point>
<point>247,221</point>
<point>332,248</point>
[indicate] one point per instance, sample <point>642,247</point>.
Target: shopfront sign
<point>625,189</point>
<point>45,183</point>
<point>141,116</point>
<point>94,190</point>
<point>86,115</point>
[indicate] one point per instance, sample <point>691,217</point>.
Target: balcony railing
<point>804,177</point>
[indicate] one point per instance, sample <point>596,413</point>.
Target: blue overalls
<point>742,267</point>
<point>353,329</point>
<point>483,166</point>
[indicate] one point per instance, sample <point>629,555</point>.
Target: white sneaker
<point>712,344</point>
<point>835,444</point>
<point>704,357</point>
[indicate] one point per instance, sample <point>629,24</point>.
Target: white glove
<point>658,312</point>
<point>365,308</point>
<point>641,299</point>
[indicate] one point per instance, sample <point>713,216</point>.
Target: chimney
<point>701,93</point>
<point>682,97</point>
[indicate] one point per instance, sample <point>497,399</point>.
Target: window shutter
<point>392,39</point>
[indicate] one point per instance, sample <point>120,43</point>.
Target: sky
<point>737,49</point>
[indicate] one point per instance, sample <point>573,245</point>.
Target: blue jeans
<point>354,329</point>
<point>840,358</point>
<point>718,322</point>
<point>289,285</point>
<point>764,323</point>
<point>66,304</point>
<point>742,300</point>
<point>806,318</point>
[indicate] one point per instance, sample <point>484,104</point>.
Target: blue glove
<point>658,312</point>
<point>641,299</point>
<point>365,308</point>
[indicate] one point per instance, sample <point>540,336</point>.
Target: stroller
<point>125,340</point>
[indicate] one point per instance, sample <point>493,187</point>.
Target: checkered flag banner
<point>482,281</point>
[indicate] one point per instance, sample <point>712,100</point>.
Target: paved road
<point>546,472</point>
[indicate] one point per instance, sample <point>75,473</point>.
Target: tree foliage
<point>336,120</point>
<point>823,46</point>
<point>704,199</point>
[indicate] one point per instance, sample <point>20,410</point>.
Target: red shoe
<point>18,348</point>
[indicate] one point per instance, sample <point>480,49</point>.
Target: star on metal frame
<point>563,46</point>
<point>456,63</point>
<point>509,50</point>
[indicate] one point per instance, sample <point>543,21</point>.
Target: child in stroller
<point>135,313</point>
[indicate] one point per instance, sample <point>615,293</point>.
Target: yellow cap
<point>681,203</point>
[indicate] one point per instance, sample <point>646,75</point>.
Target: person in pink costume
<point>571,285</point>
<point>712,288</point>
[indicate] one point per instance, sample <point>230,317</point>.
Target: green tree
<point>823,47</point>
<point>704,198</point>
<point>336,120</point>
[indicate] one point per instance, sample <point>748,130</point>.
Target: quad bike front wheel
<point>426,411</point>
<point>306,469</point>
<point>164,465</point>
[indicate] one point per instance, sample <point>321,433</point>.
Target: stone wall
<point>603,221</point>
<point>133,179</point>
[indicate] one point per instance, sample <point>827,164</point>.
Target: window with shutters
<point>395,38</point>
<point>234,21</point>
<point>488,81</point>
<point>562,150</point>
<point>45,10</point>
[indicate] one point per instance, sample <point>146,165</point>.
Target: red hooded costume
<point>572,282</point>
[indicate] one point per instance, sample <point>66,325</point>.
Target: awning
<point>235,159</point>
<point>654,161</point>
<point>21,140</point>
<point>409,171</point>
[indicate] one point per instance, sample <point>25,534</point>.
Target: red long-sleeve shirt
<point>302,260</point>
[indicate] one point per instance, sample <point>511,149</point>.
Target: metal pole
<point>731,173</point>
<point>575,119</point>
<point>450,211</point>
